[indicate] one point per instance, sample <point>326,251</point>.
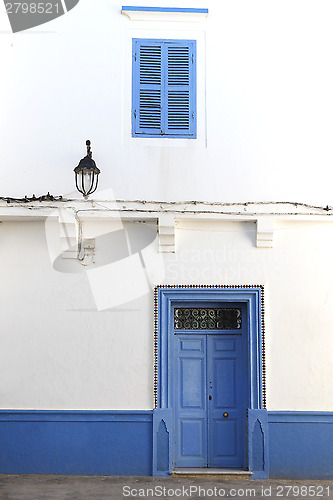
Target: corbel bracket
<point>166,233</point>
<point>265,232</point>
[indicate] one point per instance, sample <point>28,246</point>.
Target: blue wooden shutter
<point>180,88</point>
<point>147,87</point>
<point>164,88</point>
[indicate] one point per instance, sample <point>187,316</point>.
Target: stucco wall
<point>264,104</point>
<point>59,352</point>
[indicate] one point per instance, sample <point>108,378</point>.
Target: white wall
<point>58,352</point>
<point>298,298</point>
<point>265,104</point>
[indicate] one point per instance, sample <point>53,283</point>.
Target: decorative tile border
<point>210,287</point>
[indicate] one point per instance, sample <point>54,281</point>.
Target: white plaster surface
<point>57,351</point>
<point>71,337</point>
<point>265,104</point>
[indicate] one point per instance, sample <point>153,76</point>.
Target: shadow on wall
<point>111,248</point>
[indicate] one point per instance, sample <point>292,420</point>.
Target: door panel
<point>191,401</point>
<point>224,345</point>
<point>223,376</point>
<point>192,379</point>
<point>227,406</point>
<point>193,433</point>
<point>225,434</point>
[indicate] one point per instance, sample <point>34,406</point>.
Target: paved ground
<point>113,487</point>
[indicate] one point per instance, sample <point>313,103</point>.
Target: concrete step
<point>205,472</point>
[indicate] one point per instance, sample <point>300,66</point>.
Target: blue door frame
<point>163,419</point>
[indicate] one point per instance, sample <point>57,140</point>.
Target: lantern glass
<point>86,181</point>
<point>86,174</point>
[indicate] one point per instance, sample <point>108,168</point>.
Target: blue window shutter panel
<point>180,88</point>
<point>147,87</point>
<point>164,88</point>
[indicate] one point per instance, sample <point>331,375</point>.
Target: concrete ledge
<point>209,472</point>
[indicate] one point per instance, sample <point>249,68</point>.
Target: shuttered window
<point>164,88</point>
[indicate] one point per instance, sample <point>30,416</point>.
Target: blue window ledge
<point>164,9</point>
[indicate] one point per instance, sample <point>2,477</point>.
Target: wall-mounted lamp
<point>86,174</point>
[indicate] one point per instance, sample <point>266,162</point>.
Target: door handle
<point>210,398</point>
<point>226,414</point>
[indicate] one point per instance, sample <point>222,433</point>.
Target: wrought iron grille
<point>207,318</point>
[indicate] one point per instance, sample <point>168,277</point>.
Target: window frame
<point>165,42</point>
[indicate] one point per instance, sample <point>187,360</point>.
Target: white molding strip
<point>71,213</point>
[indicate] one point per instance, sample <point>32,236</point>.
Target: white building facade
<point>180,317</point>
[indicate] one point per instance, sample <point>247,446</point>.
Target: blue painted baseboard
<point>300,445</point>
<point>121,443</point>
<point>76,442</point>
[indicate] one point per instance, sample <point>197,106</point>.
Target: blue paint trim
<point>167,295</point>
<point>258,449</point>
<point>121,442</point>
<point>76,442</point>
<point>75,416</point>
<point>300,417</point>
<point>251,296</point>
<point>160,415</point>
<point>164,9</point>
<point>301,445</point>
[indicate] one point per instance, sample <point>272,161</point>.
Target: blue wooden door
<point>210,400</point>
<point>191,401</point>
<point>227,401</point>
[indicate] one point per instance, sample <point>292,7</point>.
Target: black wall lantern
<point>86,174</point>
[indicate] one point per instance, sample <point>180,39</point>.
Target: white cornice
<point>72,214</point>
<point>100,209</point>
